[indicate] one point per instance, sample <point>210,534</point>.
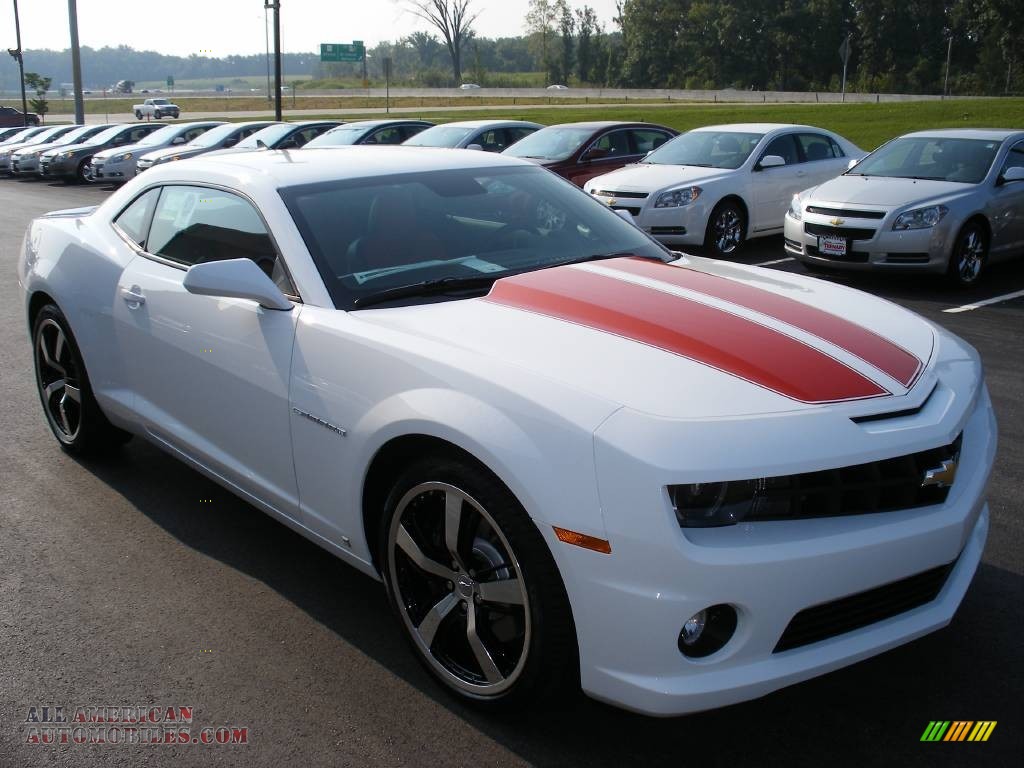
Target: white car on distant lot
<point>721,185</point>
<point>119,164</point>
<point>486,135</point>
<point>944,201</point>
<point>468,87</point>
<point>680,483</point>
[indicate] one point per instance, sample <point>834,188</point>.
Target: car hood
<point>133,148</point>
<point>691,339</point>
<point>35,148</point>
<point>880,190</point>
<point>651,177</point>
<point>182,149</point>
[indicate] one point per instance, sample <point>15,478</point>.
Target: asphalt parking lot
<point>137,582</point>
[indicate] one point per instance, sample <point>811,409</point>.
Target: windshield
<point>479,222</point>
<point>76,135</point>
<point>104,136</point>
<point>708,149</point>
<point>214,136</point>
<point>930,157</point>
<point>161,136</point>
<point>159,101</point>
<point>337,137</point>
<point>48,135</point>
<point>440,136</point>
<point>554,143</point>
<point>22,135</point>
<point>269,135</point>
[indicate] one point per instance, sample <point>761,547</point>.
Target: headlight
<point>176,157</point>
<point>121,158</point>
<point>922,218</point>
<point>66,155</point>
<point>796,208</point>
<point>677,197</point>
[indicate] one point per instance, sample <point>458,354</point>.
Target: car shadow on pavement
<point>872,712</point>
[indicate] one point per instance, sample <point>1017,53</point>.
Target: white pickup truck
<point>156,108</point>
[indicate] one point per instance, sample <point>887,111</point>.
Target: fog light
<point>693,628</point>
<point>707,631</point>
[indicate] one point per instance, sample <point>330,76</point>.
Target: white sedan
<point>679,485</point>
<point>721,185</point>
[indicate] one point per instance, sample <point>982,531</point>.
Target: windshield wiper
<point>602,257</point>
<point>425,288</point>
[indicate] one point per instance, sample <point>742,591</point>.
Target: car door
<point>209,375</point>
<point>1007,207</point>
<point>773,188</point>
<point>608,151</point>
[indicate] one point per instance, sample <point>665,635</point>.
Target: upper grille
<point>845,212</point>
<point>812,625</point>
<point>850,233</point>
<point>624,195</point>
<point>878,486</point>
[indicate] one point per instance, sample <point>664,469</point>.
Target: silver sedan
<point>944,201</point>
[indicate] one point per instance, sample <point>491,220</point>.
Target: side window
<point>193,133</point>
<point>386,136</point>
<point>515,134</point>
<point>138,134</point>
<point>816,147</point>
<point>121,139</point>
<point>784,147</point>
<point>408,131</point>
<point>837,151</point>
<point>193,225</point>
<point>1015,157</point>
<point>645,140</point>
<point>134,220</point>
<point>492,140</point>
<point>612,144</point>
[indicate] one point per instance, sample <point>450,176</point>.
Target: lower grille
<point>855,257</point>
<point>794,244</point>
<point>906,258</point>
<point>668,230</point>
<point>850,233</point>
<point>812,625</point>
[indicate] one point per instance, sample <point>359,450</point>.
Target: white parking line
<point>985,302</point>
<point>774,261</point>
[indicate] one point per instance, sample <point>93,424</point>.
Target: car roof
<point>488,124</point>
<point>378,123</point>
<point>984,134</point>
<point>597,125</point>
<point>309,165</point>
<point>756,127</point>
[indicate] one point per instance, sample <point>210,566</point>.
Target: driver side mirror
<point>771,161</point>
<point>1012,174</point>
<point>231,142</point>
<point>594,153</point>
<point>477,147</point>
<point>178,140</point>
<point>852,164</point>
<point>236,279</point>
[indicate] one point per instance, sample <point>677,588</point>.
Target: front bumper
<point>24,166</point>
<point>918,250</point>
<point>105,171</point>
<point>57,167</point>
<point>684,225</point>
<point>629,606</point>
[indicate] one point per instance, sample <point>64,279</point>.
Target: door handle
<point>133,295</point>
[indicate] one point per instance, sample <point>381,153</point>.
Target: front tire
<point>970,254</point>
<point>726,229</point>
<point>84,175</point>
<point>71,411</point>
<point>474,587</point>
<point>138,115</point>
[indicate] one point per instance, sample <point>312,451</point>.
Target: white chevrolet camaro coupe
<point>947,201</point>
<point>724,184</point>
<point>571,460</point>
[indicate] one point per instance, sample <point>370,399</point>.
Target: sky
<point>224,27</point>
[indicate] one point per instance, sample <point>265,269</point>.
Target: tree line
<point>895,46</point>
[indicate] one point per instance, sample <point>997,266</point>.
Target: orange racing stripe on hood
<point>883,354</point>
<point>728,342</point>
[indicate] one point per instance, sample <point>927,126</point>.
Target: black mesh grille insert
<point>848,212</point>
<point>812,625</point>
<point>850,233</point>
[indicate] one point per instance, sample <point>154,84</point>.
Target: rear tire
<point>969,256</point>
<point>72,412</point>
<point>726,230</point>
<point>474,587</point>
<point>138,115</point>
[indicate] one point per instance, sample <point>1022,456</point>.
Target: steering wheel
<point>505,231</point>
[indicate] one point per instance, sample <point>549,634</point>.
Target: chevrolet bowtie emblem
<point>837,222</point>
<point>941,476</point>
<point>612,201</point>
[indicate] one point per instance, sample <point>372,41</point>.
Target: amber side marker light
<point>582,540</point>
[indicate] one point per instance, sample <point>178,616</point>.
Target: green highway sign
<point>354,51</point>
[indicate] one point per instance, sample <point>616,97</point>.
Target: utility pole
<point>275,6</point>
<point>76,63</point>
<point>266,36</point>
<point>949,55</point>
<point>16,53</point>
<point>844,54</point>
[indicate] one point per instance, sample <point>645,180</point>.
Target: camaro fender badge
<point>942,476</point>
<point>837,222</point>
<point>316,420</point>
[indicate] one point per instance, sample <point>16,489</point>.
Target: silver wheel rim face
<point>459,589</point>
<point>59,384</point>
<point>972,251</point>
<point>728,231</point>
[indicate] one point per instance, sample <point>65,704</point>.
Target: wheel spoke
<point>53,387</point>
<point>48,361</point>
<point>483,656</point>
<point>65,423</point>
<point>414,553</point>
<point>503,591</point>
<point>73,393</point>
<point>432,621</point>
<point>452,522</point>
<point>58,345</point>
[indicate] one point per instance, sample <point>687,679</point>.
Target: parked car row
<point>933,201</point>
